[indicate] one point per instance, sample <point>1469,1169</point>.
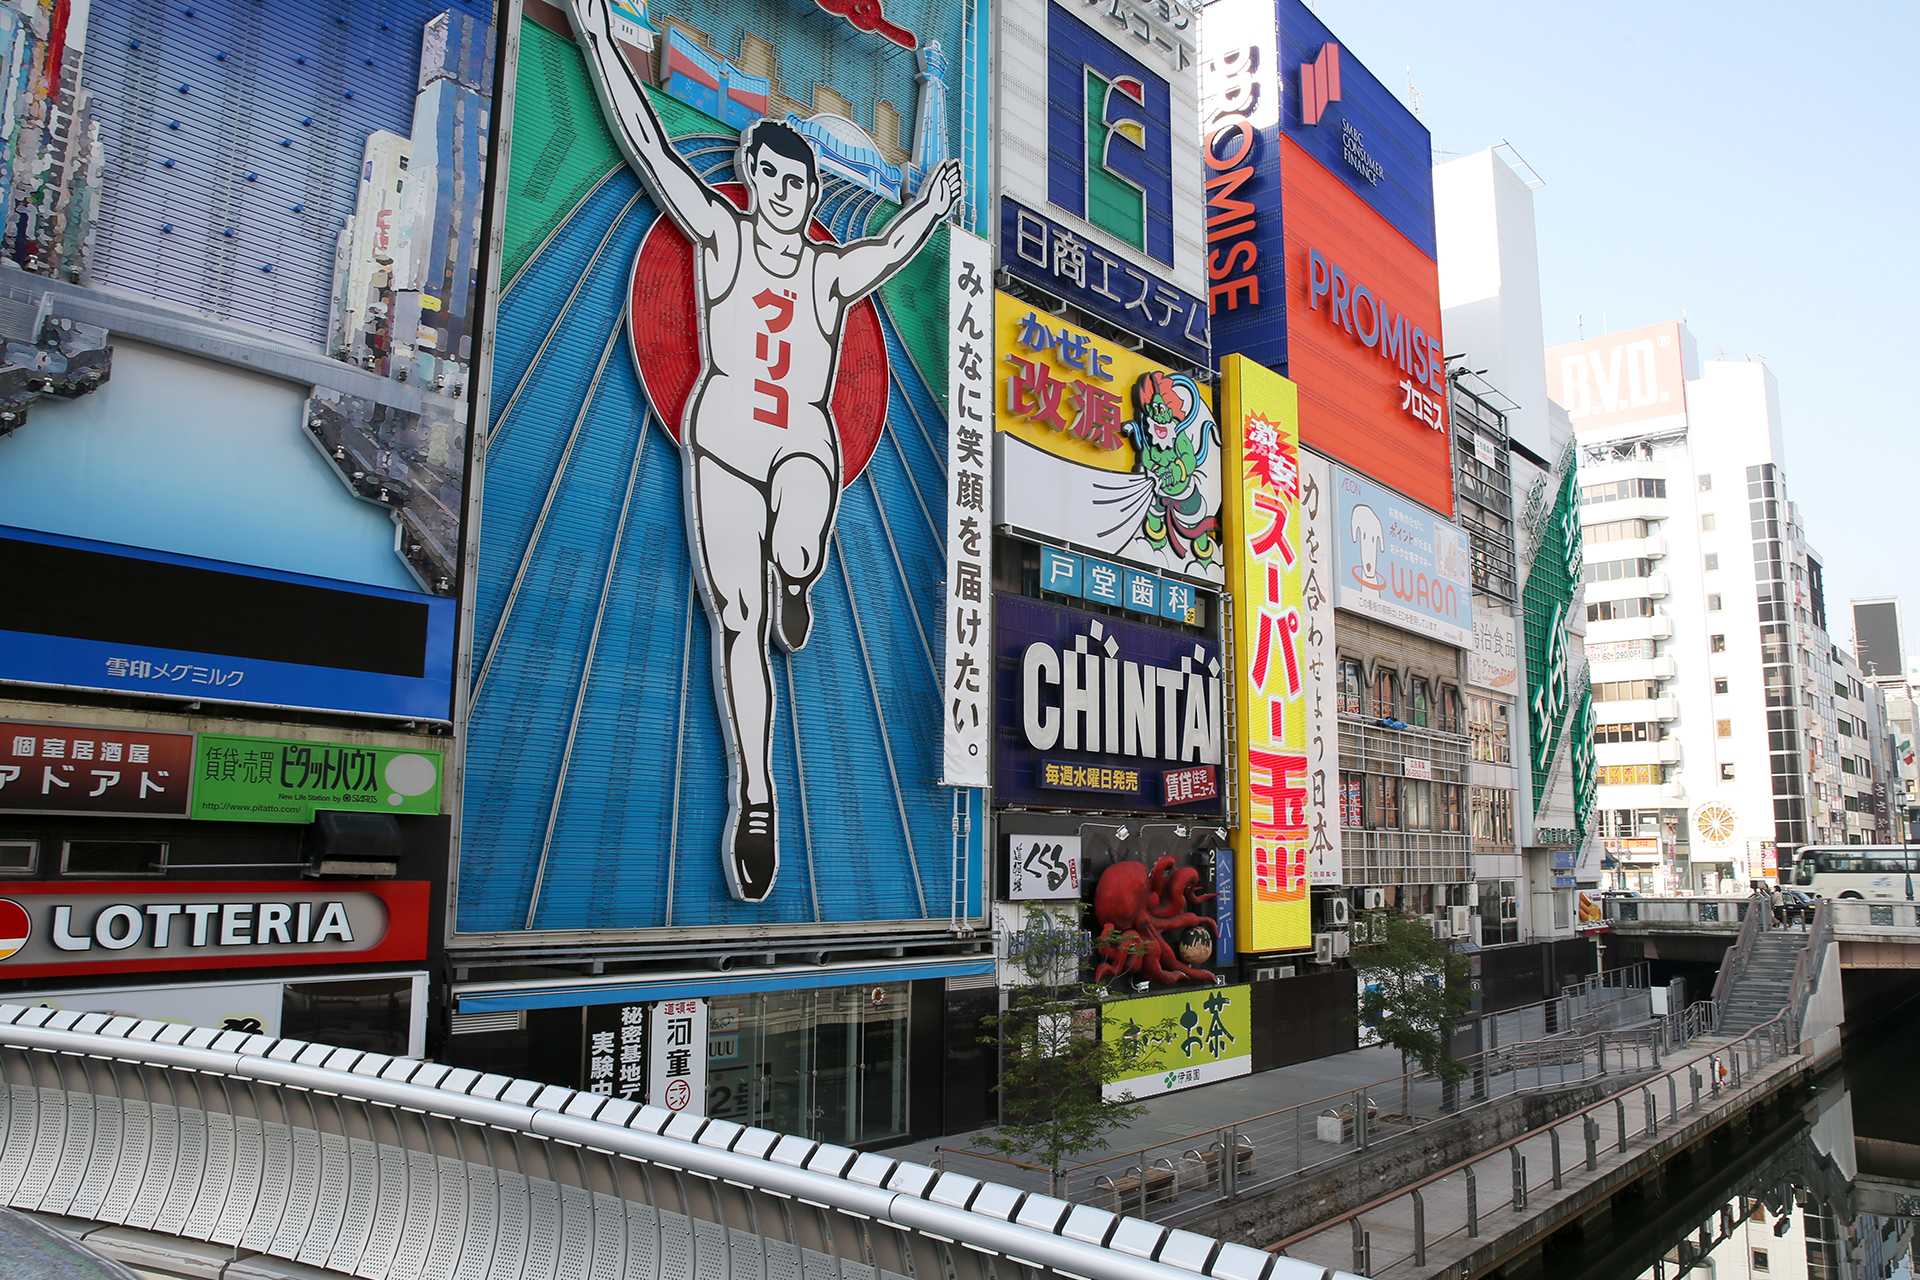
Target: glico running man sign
<point>727,497</point>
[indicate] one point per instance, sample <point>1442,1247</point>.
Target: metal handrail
<point>1594,1050</point>
<point>921,1207</point>
<point>1771,1040</point>
<point>1805,970</point>
<point>1734,963</point>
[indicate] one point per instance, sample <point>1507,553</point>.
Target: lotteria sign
<point>115,927</point>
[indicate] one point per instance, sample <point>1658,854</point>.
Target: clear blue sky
<point>1753,163</point>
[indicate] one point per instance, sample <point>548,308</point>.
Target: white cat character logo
<point>761,452</point>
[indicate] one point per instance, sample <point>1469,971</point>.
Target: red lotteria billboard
<point>52,928</point>
<point>1363,336</point>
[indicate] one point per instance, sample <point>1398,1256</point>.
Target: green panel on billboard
<point>1176,1041</point>
<point>239,779</point>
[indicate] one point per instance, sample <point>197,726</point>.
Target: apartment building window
<point>1630,775</point>
<point>1448,812</point>
<point>1713,561</point>
<point>1351,684</point>
<point>1706,482</point>
<point>1615,531</point>
<point>1713,603</point>
<point>1416,804</point>
<point>1616,570</point>
<point>1353,800</point>
<point>1383,693</point>
<point>1614,610</point>
<point>1419,704</point>
<point>1720,685</point>
<point>1625,690</point>
<point>1629,731</point>
<point>1491,811</point>
<point>1499,912</point>
<point>1619,490</point>
<point>1383,808</point>
<point>1726,773</point>
<point>1723,728</point>
<point>1717,644</point>
<point>1447,710</point>
<point>1488,728</point>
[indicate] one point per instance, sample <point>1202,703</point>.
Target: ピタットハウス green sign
<point>238,779</point>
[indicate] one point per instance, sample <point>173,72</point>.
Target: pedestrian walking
<point>1779,906</point>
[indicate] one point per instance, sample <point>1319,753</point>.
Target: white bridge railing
<point>381,1167</point>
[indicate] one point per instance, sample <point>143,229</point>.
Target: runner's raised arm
<point>669,178</point>
<point>865,263</point>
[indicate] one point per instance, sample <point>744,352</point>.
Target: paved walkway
<point>1194,1111</point>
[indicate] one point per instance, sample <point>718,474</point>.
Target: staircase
<point>1759,994</point>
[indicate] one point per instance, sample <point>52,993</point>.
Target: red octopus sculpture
<point>1136,909</point>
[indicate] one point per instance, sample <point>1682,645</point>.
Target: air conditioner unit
<point>1339,911</point>
<point>1341,945</point>
<point>1462,917</point>
<point>1442,926</point>
<point>1323,948</point>
<point>1473,893</point>
<point>1373,899</point>
<point>1267,974</point>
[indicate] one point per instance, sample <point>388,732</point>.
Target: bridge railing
<point>1181,1177</point>
<point>1855,915</point>
<point>1491,1190</point>
<point>1709,913</point>
<point>382,1168</point>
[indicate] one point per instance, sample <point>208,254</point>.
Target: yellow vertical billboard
<point>1260,426</point>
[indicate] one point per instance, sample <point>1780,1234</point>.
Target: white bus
<point>1856,870</point>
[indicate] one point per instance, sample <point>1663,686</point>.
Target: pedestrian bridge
<point>187,1151</point>
<point>1872,935</point>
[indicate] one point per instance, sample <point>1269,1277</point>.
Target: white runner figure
<point>761,457</point>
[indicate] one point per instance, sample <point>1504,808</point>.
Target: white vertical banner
<point>677,1056</point>
<point>968,670</point>
<point>1323,720</point>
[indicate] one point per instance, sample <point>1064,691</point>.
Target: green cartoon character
<point>1178,445</point>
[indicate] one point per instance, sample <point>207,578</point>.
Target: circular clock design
<point>1714,824</point>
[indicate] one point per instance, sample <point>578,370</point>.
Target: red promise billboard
<point>1363,336</point>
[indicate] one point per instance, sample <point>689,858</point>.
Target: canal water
<point>1823,1186</point>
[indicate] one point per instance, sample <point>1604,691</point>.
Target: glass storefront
<point>830,1065</point>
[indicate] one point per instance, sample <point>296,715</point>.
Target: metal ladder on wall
<point>1230,711</point>
<point>959,920</point>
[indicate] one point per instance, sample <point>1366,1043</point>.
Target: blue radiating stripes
<point>613,853</point>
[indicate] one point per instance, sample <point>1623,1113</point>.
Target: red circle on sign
<point>679,1094</point>
<point>16,926</point>
<point>663,330</point>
